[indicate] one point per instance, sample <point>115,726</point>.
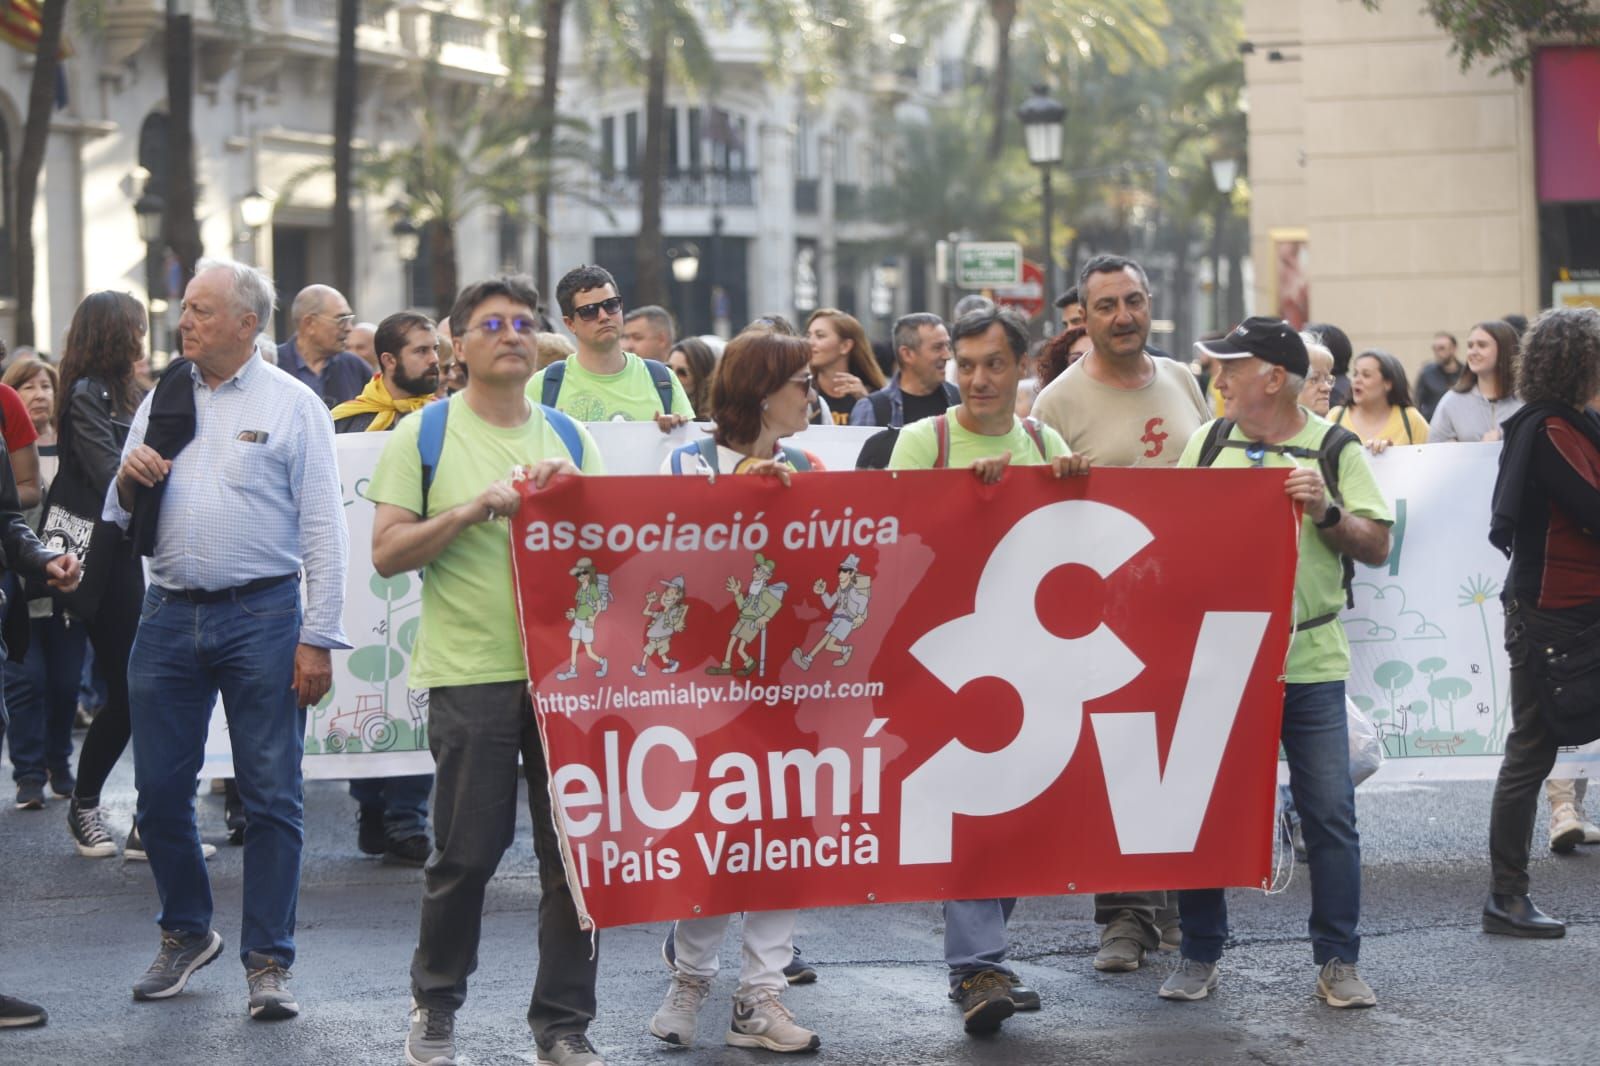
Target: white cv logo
<point>1153,811</point>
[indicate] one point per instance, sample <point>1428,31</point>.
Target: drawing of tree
<point>1392,676</point>
<point>1449,689</point>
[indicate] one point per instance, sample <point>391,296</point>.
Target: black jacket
<point>23,555</point>
<point>170,429</point>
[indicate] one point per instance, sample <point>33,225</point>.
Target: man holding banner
<point>1262,368</point>
<point>441,487</point>
<point>984,434</point>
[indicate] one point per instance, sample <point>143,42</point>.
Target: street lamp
<point>1224,173</point>
<point>685,261</point>
<point>1042,118</point>
<point>149,208</point>
<point>255,209</point>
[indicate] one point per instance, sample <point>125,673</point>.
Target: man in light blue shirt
<point>247,505</point>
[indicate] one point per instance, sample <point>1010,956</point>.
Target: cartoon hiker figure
<point>666,611</point>
<point>757,606</point>
<point>849,605</point>
<point>594,596</point>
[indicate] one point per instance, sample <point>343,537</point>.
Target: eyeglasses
<point>494,325</point>
<point>807,382</point>
<point>590,312</point>
<point>343,320</point>
<point>1318,380</point>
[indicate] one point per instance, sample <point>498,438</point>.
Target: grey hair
<point>266,349</point>
<point>908,329</point>
<point>251,288</point>
<point>658,317</point>
<point>1296,383</point>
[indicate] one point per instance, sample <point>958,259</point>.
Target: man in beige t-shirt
<point>1124,407</point>
<point>1119,404</point>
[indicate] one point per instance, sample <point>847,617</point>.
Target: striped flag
<point>20,26</point>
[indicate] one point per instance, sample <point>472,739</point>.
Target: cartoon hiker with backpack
<point>848,602</point>
<point>667,613</point>
<point>757,606</point>
<point>593,596</point>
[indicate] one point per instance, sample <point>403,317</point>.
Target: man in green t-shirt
<point>984,434</point>
<point>468,655</point>
<point>1262,366</point>
<point>603,383</point>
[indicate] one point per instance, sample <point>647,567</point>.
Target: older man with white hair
<point>228,482</point>
<point>318,352</point>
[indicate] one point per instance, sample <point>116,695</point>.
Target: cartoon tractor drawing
<point>367,722</point>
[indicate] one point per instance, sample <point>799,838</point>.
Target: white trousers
<point>768,948</point>
<point>1566,790</point>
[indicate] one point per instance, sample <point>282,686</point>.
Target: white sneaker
<point>1566,831</point>
<point>1591,832</point>
<point>764,1022</point>
<point>675,1021</point>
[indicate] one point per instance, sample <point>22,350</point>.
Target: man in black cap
<point>1261,368</point>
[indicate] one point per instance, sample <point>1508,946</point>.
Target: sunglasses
<point>590,312</point>
<point>494,325</point>
<point>808,382</point>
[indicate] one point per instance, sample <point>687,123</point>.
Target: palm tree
<point>344,128</point>
<point>179,229</point>
<point>552,14</point>
<point>36,131</point>
<point>1120,33</point>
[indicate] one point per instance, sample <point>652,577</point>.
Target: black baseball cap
<point>1271,340</point>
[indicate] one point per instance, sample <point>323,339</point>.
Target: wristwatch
<point>1331,517</point>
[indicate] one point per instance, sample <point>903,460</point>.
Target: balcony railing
<point>735,188</point>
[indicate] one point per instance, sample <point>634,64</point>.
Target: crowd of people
<point>112,478</point>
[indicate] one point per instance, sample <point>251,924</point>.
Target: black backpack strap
<point>1211,446</point>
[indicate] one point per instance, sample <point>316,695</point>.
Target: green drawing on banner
<point>1477,592</point>
<point>1447,690</point>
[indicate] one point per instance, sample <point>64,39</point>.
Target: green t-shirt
<point>1322,653</point>
<point>918,445</point>
<point>468,633</point>
<point>630,395</point>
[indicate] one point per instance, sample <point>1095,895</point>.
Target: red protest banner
<point>889,687</point>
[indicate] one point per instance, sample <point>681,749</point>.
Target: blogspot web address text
<point>737,692</point>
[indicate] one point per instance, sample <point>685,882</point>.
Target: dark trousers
<point>111,632</point>
<point>41,694</point>
<point>476,733</point>
<point>1530,749</point>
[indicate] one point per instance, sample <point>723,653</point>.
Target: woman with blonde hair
<point>842,362</point>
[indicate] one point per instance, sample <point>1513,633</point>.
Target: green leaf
<point>389,588</point>
<point>406,635</point>
<point>376,664</point>
<point>1393,675</point>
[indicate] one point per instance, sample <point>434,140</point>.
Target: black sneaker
<point>62,783</point>
<point>270,998</point>
<point>30,794</point>
<point>88,831</point>
<point>370,838</point>
<point>20,1014</point>
<point>412,851</point>
<point>985,1001</point>
<point>180,956</point>
<point>799,971</point>
<point>233,811</point>
<point>133,850</point>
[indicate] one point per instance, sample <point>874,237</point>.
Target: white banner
<point>1427,632</point>
<point>370,724</point>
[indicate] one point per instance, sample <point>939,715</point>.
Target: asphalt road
<point>74,934</point>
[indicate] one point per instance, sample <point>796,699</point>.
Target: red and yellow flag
<point>21,23</point>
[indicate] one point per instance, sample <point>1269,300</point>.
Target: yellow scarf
<point>375,399</point>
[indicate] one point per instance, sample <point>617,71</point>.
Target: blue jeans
<point>1316,741</point>
<point>184,655</point>
<point>42,695</point>
<point>975,936</point>
<point>403,801</point>
<point>91,686</point>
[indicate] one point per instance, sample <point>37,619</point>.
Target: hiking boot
<point>1192,979</point>
<point>30,794</point>
<point>412,851</point>
<point>1341,986</point>
<point>799,971</point>
<point>1119,954</point>
<point>370,839</point>
<point>573,1049</point>
<point>675,1021</point>
<point>1022,996</point>
<point>270,998</point>
<point>985,1001</point>
<point>432,1039</point>
<point>62,783</point>
<point>88,831</point>
<point>180,956</point>
<point>20,1014</point>
<point>764,1022</point>
<point>1566,830</point>
<point>1591,832</point>
<point>133,850</point>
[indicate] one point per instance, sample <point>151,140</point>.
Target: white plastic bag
<point>1366,750</point>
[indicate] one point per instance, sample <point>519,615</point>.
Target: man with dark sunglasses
<point>316,353</point>
<point>1262,367</point>
<point>602,382</point>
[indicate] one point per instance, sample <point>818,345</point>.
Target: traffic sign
<point>1027,297</point>
<point>986,264</point>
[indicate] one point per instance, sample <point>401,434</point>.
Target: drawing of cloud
<point>1380,614</point>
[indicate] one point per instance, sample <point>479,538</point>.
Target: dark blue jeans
<point>42,696</point>
<point>1316,741</point>
<point>184,655</point>
<point>403,801</point>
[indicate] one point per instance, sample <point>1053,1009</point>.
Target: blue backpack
<point>556,373</point>
<point>707,449</point>
<point>436,416</point>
